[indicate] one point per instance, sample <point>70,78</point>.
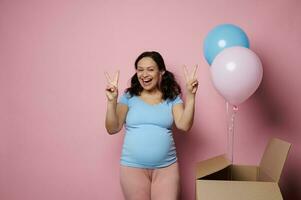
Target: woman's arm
<point>115,116</point>
<point>116,112</point>
<point>184,114</point>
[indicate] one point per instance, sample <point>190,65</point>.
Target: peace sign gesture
<point>191,81</point>
<point>112,86</point>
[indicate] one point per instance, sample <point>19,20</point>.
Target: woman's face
<point>148,73</point>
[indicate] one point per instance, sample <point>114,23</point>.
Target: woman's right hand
<point>112,87</point>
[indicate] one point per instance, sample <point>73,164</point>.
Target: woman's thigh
<point>166,183</point>
<point>135,183</point>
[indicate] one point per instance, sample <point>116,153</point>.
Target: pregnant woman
<point>148,109</point>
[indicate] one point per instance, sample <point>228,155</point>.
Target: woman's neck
<point>154,92</point>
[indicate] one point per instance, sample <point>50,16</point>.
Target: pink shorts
<point>150,184</point>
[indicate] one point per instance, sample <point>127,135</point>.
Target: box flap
<point>237,190</point>
<point>273,160</point>
<point>211,165</point>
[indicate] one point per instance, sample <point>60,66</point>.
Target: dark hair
<point>169,87</point>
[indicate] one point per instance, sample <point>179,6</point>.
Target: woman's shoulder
<point>128,95</point>
<point>125,98</point>
<point>175,100</point>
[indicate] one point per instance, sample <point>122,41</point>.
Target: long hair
<point>169,87</point>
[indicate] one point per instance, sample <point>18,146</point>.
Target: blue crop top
<point>148,141</point>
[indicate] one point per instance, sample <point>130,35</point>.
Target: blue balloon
<point>221,37</point>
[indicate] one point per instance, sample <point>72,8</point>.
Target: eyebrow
<point>146,67</point>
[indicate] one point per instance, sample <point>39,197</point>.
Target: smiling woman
<point>148,108</point>
<point>152,77</point>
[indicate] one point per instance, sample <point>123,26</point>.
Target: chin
<point>148,88</point>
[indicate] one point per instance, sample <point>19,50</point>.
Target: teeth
<point>147,81</point>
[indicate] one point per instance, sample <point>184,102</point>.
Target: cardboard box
<point>218,179</point>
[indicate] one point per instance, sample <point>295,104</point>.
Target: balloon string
<point>231,132</point>
<point>228,134</point>
<point>230,137</point>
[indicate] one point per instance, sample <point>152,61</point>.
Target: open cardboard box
<point>217,178</point>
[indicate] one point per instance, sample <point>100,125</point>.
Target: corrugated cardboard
<point>217,178</point>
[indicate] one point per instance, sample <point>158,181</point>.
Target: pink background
<point>53,55</point>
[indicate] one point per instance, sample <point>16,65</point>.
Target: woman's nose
<point>144,74</point>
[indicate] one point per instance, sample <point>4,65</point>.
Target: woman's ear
<point>162,73</point>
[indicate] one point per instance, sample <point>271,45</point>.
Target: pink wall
<point>53,141</point>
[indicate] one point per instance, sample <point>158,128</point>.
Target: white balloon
<point>236,73</point>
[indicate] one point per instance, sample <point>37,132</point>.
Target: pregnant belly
<point>147,145</point>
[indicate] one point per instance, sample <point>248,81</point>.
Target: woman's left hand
<point>191,80</point>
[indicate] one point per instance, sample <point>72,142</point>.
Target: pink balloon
<point>236,74</point>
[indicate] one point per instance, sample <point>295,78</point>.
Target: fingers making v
<point>115,79</point>
<point>191,76</point>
